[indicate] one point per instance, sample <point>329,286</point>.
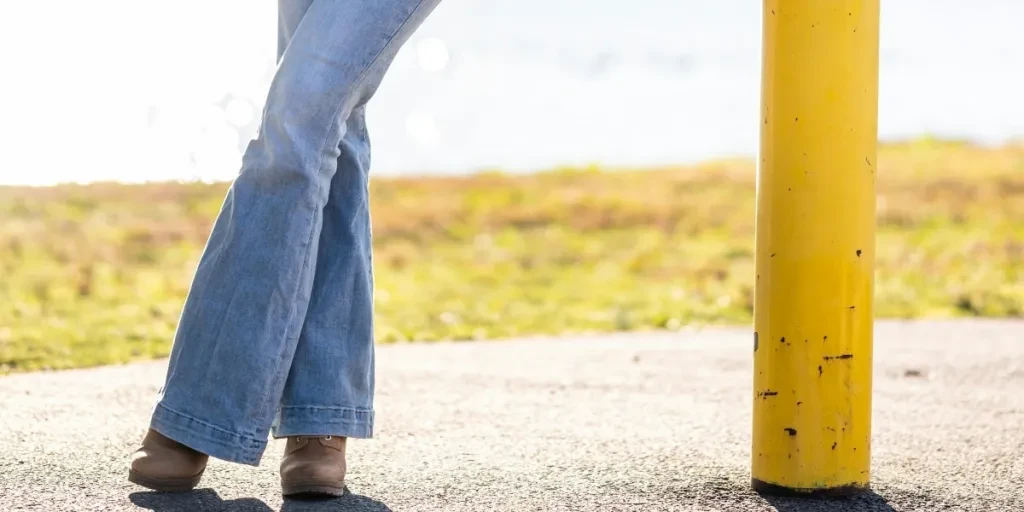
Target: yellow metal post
<point>815,247</point>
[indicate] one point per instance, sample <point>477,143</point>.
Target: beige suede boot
<point>313,465</point>
<point>165,465</point>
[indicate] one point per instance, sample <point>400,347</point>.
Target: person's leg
<point>328,395</point>
<point>245,312</point>
<point>329,390</point>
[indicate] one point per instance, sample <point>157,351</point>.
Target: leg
<point>328,395</point>
<point>329,390</point>
<point>243,317</point>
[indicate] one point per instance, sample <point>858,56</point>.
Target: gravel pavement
<point>606,423</point>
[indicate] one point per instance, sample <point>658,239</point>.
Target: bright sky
<point>142,89</point>
<point>87,73</point>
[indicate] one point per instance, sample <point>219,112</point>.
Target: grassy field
<point>96,274</point>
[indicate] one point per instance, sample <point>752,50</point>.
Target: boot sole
<point>165,484</point>
<point>311,489</point>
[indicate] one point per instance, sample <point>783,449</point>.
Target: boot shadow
<point>348,503</point>
<point>204,500</point>
<point>199,500</point>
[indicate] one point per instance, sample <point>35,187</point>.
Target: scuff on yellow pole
<point>815,247</point>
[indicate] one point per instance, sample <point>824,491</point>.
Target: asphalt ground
<point>623,422</point>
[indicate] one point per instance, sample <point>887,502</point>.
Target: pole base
<point>796,492</point>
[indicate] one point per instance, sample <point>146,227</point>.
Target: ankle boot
<point>165,465</point>
<point>313,465</point>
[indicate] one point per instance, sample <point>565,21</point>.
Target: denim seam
<point>210,426</point>
<point>328,407</point>
<point>346,423</point>
<point>358,422</point>
<point>359,430</point>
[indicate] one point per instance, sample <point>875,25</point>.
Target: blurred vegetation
<point>97,274</point>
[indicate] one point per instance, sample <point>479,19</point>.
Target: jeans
<point>276,334</point>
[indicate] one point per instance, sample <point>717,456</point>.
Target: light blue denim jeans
<point>277,330</point>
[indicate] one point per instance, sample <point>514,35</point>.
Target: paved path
<point>628,422</point>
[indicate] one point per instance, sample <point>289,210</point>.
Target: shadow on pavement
<point>200,500</point>
<point>348,502</point>
<point>867,502</point>
<point>203,500</point>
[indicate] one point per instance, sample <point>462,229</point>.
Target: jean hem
<point>207,438</point>
<point>323,421</point>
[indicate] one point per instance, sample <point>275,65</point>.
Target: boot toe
<point>164,465</point>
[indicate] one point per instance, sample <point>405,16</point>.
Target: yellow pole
<point>815,247</point>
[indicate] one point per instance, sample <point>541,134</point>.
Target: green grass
<point>97,274</point>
